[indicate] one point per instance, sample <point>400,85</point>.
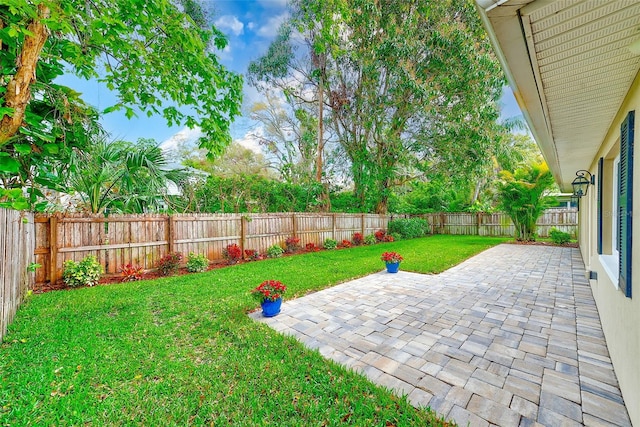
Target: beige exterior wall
<point>620,316</point>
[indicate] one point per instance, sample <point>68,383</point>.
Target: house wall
<point>620,316</point>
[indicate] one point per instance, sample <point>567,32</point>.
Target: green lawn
<point>182,351</point>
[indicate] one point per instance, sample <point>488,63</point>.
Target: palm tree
<point>121,176</point>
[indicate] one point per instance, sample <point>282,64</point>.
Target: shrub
<point>169,263</point>
<point>312,247</point>
<point>131,273</point>
<point>370,239</point>
<point>358,239</point>
<point>559,237</point>
<point>252,254</point>
<point>292,244</point>
<point>232,253</point>
<point>409,228</point>
<point>389,238</point>
<point>197,262</point>
<point>275,251</point>
<point>330,244</point>
<point>380,235</point>
<point>523,195</point>
<point>86,272</point>
<point>345,244</point>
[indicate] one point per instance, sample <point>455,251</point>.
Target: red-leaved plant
<point>391,257</point>
<point>345,244</point>
<point>292,244</point>
<point>170,263</point>
<point>358,239</point>
<point>380,235</point>
<point>232,253</point>
<point>252,254</point>
<point>312,247</point>
<point>269,290</point>
<point>131,273</point>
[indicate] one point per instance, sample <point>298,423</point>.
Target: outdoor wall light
<point>581,183</point>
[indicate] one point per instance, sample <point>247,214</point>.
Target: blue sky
<point>250,25</point>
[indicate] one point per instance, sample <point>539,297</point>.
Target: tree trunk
<point>325,201</point>
<point>18,92</point>
<point>320,130</point>
<point>382,207</point>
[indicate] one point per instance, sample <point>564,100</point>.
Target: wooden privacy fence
<point>499,224</point>
<point>117,240</point>
<point>16,254</point>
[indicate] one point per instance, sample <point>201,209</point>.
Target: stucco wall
<point>620,316</point>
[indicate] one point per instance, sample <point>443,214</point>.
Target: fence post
<point>243,233</point>
<point>362,224</point>
<point>53,249</point>
<point>170,234</point>
<point>294,225</point>
<point>478,222</point>
<point>333,226</point>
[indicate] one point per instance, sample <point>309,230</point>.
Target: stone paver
<point>510,337</point>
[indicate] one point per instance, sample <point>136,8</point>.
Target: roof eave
<point>502,22</point>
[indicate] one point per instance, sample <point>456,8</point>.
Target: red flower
<point>391,257</point>
<point>269,290</point>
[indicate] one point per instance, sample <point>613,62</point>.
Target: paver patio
<point>510,337</point>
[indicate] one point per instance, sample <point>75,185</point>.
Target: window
<point>607,212</point>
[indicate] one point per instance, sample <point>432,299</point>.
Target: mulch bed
<point>110,279</point>
<point>116,278</point>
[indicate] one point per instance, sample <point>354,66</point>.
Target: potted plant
<point>392,260</point>
<point>270,293</point>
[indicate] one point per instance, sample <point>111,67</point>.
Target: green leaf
<point>6,111</point>
<point>20,205</point>
<point>22,148</point>
<point>112,109</point>
<point>51,148</point>
<point>37,134</point>
<point>8,164</point>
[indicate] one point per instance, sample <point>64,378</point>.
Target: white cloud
<point>183,136</point>
<point>251,25</point>
<point>231,23</point>
<point>251,138</point>
<point>270,29</point>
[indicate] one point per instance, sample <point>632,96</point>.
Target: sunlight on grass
<point>181,350</point>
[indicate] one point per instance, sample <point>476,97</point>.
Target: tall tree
<point>288,135</point>
<point>301,75</point>
<point>406,84</point>
<point>148,52</point>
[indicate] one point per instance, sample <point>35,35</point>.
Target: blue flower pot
<point>271,308</point>
<point>392,267</point>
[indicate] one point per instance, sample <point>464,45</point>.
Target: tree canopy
<point>158,56</point>
<point>406,86</point>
